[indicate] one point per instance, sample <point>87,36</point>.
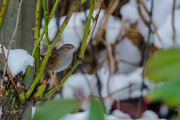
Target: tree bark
<point>24,38</point>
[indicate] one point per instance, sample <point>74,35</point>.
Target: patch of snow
<point>164,110</point>
<point>76,116</point>
<point>129,12</point>
<point>166,32</point>
<point>52,29</point>
<point>149,115</point>
<point>18,60</point>
<point>121,115</point>
<point>84,116</point>
<point>127,51</point>
<point>73,33</point>
<point>33,111</point>
<point>80,85</point>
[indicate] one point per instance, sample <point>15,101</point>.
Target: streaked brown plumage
<point>53,61</point>
<point>60,59</point>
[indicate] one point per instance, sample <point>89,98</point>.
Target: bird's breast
<point>65,62</point>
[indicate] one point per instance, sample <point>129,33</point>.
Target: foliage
<point>165,66</point>
<point>58,108</point>
<point>96,111</point>
<point>55,109</point>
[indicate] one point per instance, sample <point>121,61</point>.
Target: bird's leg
<point>55,81</point>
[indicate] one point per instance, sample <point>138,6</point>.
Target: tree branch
<point>3,8</point>
<point>9,73</point>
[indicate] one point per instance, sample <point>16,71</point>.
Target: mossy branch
<point>39,93</point>
<point>49,50</point>
<point>37,33</point>
<point>3,8</point>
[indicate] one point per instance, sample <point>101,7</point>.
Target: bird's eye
<point>67,47</point>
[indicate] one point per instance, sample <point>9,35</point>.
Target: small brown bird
<point>60,59</point>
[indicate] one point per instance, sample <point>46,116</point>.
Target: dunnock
<point>60,59</point>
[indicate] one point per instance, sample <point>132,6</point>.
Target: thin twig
<point>151,20</point>
<point>9,73</point>
<point>145,56</point>
<point>118,91</point>
<point>17,21</point>
<point>110,56</point>
<point>133,64</point>
<point>19,8</point>
<point>174,31</point>
<point>94,24</point>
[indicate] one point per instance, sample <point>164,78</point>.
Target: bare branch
<point>15,28</point>
<point>94,23</point>
<point>9,73</point>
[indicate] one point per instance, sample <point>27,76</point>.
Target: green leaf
<point>96,111</point>
<point>55,109</point>
<point>165,65</point>
<point>169,93</point>
<point>176,118</point>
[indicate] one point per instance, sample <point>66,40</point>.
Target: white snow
<point>121,115</point>
<point>81,86</point>
<point>149,115</point>
<point>74,31</point>
<point>52,29</point>
<point>84,116</point>
<point>33,111</point>
<point>127,51</point>
<point>18,60</point>
<point>129,12</point>
<point>166,32</point>
<point>164,110</point>
<point>120,81</point>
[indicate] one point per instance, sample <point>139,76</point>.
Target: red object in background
<point>130,107</point>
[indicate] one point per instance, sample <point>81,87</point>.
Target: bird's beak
<point>74,48</point>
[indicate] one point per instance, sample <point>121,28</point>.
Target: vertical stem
<point>47,4</point>
<point>145,56</point>
<point>3,11</point>
<point>174,32</point>
<point>46,22</point>
<point>83,44</point>
<point>37,33</point>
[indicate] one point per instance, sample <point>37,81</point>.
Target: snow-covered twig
<point>7,68</point>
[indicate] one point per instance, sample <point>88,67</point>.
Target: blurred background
<point>127,33</point>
